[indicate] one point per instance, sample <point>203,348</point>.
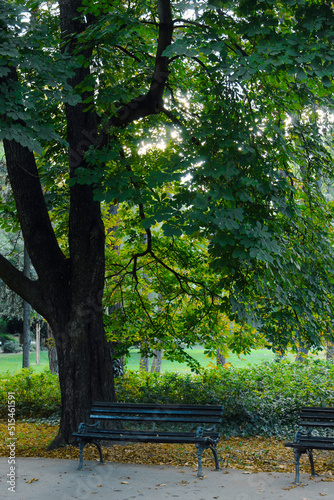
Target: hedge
<point>257,400</point>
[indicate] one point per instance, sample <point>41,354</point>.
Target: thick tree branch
<point>32,211</point>
<point>152,102</point>
<point>86,230</point>
<point>29,290</point>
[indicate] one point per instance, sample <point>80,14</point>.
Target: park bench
<point>319,423</point>
<point>128,419</point>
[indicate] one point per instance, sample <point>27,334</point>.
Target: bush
<point>4,337</point>
<point>10,347</point>
<point>259,400</point>
<point>3,328</point>
<point>263,399</point>
<point>37,395</point>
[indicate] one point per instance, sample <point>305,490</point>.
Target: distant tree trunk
<point>157,361</point>
<point>38,342</point>
<point>330,352</point>
<point>302,354</point>
<point>26,315</point>
<point>221,360</point>
<point>52,351</point>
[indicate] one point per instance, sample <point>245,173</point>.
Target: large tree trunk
<point>302,354</point>
<point>221,360</point>
<point>156,361</point>
<point>85,370</point>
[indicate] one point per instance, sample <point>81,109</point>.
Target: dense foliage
<point>263,399</point>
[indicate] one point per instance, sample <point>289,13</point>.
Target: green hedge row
<point>263,399</point>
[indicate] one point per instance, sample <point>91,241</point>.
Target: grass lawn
<point>13,362</point>
<point>255,357</point>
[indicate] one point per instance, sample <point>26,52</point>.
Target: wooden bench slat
<point>160,418</point>
<point>315,423</point>
<point>112,432</point>
<point>149,438</point>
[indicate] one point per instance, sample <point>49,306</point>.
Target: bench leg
<point>98,446</point>
<point>310,456</point>
<point>81,448</point>
<point>215,456</point>
<point>297,453</point>
<point>82,444</point>
<point>200,449</point>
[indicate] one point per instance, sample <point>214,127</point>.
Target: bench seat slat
<point>310,444</point>
<point>153,437</point>
<point>138,433</point>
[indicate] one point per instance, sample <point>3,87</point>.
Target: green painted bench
<point>316,421</point>
<point>126,421</point>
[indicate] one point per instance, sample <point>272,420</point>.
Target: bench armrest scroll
<point>200,430</point>
<point>83,427</point>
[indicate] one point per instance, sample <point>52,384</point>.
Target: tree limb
<point>26,288</point>
<point>152,102</point>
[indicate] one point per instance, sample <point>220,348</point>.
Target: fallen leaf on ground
<point>32,480</point>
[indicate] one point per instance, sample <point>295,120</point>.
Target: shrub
<point>263,399</point>
<point>4,337</point>
<point>3,328</point>
<point>10,347</point>
<point>37,395</point>
<point>258,400</point>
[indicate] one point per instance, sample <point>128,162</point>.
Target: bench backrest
<point>316,417</point>
<point>157,413</point>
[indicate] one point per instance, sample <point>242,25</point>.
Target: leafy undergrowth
<point>251,454</point>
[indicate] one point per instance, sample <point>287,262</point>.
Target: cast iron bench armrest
<point>203,438</point>
<point>305,442</point>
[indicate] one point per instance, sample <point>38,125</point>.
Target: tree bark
<point>52,351</point>
<point>302,354</point>
<point>85,369</point>
<point>330,352</point>
<point>157,361</point>
<point>221,360</point>
<point>144,363</point>
<point>26,316</point>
